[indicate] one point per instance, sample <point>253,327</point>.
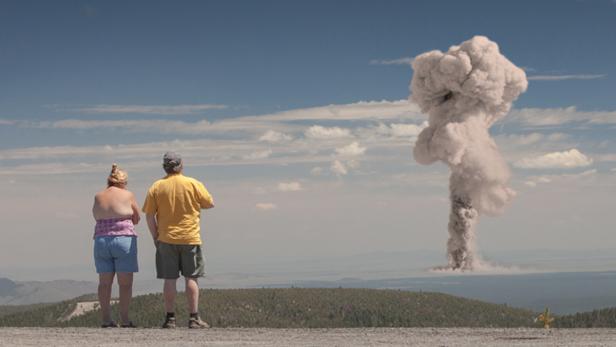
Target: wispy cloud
<point>272,136</point>
<point>398,61</point>
<point>265,206</point>
<point>338,168</point>
<point>351,150</point>
<point>384,109</point>
<point>149,109</point>
<point>401,130</point>
<point>282,123</point>
<point>556,160</point>
<point>324,133</point>
<point>277,123</point>
<point>534,181</point>
<point>564,77</point>
<point>141,125</point>
<point>290,186</point>
<point>7,122</point>
<point>559,116</point>
<point>258,155</point>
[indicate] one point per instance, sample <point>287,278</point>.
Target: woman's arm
<point>95,207</point>
<point>133,204</point>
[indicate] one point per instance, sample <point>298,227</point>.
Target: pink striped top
<point>114,227</point>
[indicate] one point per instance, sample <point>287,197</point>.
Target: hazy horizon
<point>297,119</point>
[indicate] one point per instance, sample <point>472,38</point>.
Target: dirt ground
<point>306,337</point>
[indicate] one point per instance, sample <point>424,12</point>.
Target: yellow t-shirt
<point>177,200</point>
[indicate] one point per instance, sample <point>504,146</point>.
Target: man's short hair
<point>172,162</point>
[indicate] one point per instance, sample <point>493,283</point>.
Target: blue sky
<point>259,57</point>
<point>296,116</point>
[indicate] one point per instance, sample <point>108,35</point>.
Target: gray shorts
<point>173,259</point>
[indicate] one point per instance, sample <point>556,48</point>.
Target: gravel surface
<point>306,337</point>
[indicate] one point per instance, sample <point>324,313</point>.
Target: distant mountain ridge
<point>562,292</point>
<point>34,292</point>
<point>7,287</point>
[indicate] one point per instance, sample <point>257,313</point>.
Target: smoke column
<point>464,91</point>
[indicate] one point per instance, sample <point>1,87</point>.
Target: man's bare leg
<point>192,294</point>
<point>169,294</point>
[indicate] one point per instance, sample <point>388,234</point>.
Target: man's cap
<point>172,160</point>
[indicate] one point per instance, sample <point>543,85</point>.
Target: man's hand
<point>153,226</point>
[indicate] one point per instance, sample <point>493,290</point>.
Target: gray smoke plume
<point>465,91</point>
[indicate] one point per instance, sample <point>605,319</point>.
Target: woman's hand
<point>136,218</point>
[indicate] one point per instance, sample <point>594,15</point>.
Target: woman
<point>115,244</point>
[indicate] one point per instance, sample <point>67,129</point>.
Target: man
<point>173,208</point>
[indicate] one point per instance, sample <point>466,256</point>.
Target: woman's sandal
<point>129,325</point>
<point>110,324</point>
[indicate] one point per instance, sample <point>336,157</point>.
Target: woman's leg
<point>125,282</point>
<point>105,281</point>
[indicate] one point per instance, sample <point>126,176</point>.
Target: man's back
<point>177,200</point>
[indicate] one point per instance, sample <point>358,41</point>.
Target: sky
<point>296,116</point>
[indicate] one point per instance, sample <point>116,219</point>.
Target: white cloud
<point>556,160</point>
<point>272,136</point>
<point>524,139</point>
<point>323,133</point>
<point>351,150</point>
<point>265,206</point>
<point>564,77</point>
<point>258,155</point>
<point>398,61</point>
<point>150,109</point>
<point>559,116</point>
<point>289,186</point>
<point>606,157</point>
<point>7,122</point>
<point>279,122</point>
<point>338,168</point>
<point>534,181</point>
<point>555,137</point>
<point>158,125</point>
<point>316,171</point>
<point>55,169</point>
<point>401,129</point>
<point>384,109</point>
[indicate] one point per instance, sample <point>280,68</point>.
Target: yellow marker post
<point>545,318</point>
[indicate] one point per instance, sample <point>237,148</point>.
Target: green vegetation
<point>604,318</point>
<point>312,308</point>
<point>302,308</point>
<point>11,309</point>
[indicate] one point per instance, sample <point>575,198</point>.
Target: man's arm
<point>153,226</point>
<point>205,198</point>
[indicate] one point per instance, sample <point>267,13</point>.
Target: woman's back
<point>113,202</point>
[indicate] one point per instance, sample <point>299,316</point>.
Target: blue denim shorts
<point>115,254</point>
